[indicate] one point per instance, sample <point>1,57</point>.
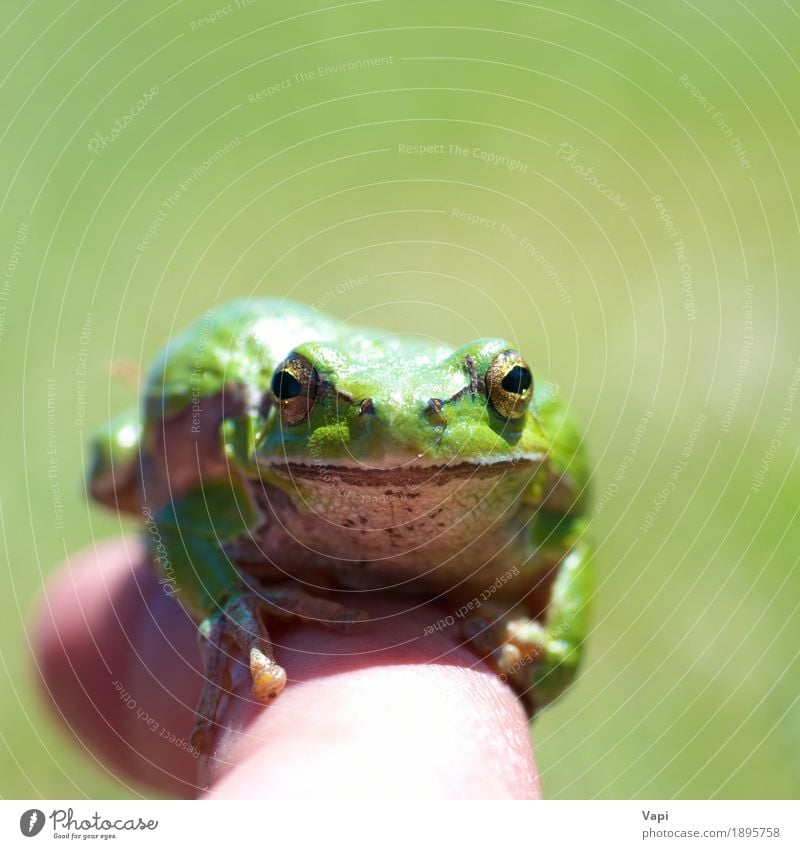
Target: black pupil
<point>518,380</point>
<point>285,385</point>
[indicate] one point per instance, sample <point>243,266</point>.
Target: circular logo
<point>31,822</point>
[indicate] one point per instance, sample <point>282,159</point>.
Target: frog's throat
<point>409,473</point>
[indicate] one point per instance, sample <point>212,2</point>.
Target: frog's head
<point>387,448</point>
<point>384,404</point>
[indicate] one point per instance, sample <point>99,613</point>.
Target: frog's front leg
<point>241,624</point>
<point>539,658</point>
<point>238,625</point>
<point>190,534</point>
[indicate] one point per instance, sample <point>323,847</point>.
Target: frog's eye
<point>294,387</point>
<point>509,385</point>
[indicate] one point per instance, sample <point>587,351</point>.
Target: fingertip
<point>377,715</point>
<point>105,640</point>
<point>70,643</point>
<point>384,713</point>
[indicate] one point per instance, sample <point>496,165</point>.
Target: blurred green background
<point>636,166</point>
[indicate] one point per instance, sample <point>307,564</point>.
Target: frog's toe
<point>269,679</point>
<point>246,629</point>
<point>508,643</point>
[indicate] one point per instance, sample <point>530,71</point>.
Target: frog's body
<point>281,452</point>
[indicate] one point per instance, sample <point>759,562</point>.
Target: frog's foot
<point>513,645</point>
<point>240,625</point>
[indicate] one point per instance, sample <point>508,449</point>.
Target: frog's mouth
<point>404,474</point>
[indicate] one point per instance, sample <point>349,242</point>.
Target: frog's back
<point>239,342</point>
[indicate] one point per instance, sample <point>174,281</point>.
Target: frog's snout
<point>402,425</point>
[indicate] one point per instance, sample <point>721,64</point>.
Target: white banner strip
<point>218,825</point>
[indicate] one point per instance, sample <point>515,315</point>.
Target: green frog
<point>279,455</point>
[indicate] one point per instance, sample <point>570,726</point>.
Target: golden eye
<point>294,387</point>
<point>509,385</point>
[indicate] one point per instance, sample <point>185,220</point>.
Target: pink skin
<point>386,713</point>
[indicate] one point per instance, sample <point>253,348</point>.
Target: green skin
<point>250,511</point>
